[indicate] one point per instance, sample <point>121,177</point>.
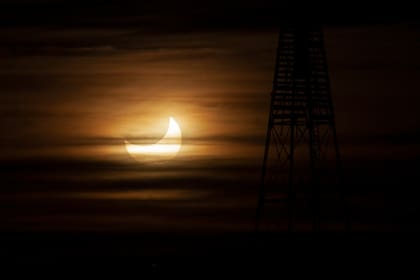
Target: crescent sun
<point>166,148</point>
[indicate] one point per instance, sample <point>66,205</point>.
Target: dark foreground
<point>178,252</point>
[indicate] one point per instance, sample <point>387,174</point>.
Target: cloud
<point>57,50</point>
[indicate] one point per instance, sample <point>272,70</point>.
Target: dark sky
<point>79,77</point>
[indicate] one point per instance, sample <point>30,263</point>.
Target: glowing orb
<point>166,148</point>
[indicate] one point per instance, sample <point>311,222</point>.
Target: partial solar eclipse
<point>166,148</point>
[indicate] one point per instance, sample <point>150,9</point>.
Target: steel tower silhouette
<point>301,157</point>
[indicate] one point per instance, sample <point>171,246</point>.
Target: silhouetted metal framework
<point>301,158</point>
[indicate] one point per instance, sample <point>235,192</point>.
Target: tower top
<point>343,12</point>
